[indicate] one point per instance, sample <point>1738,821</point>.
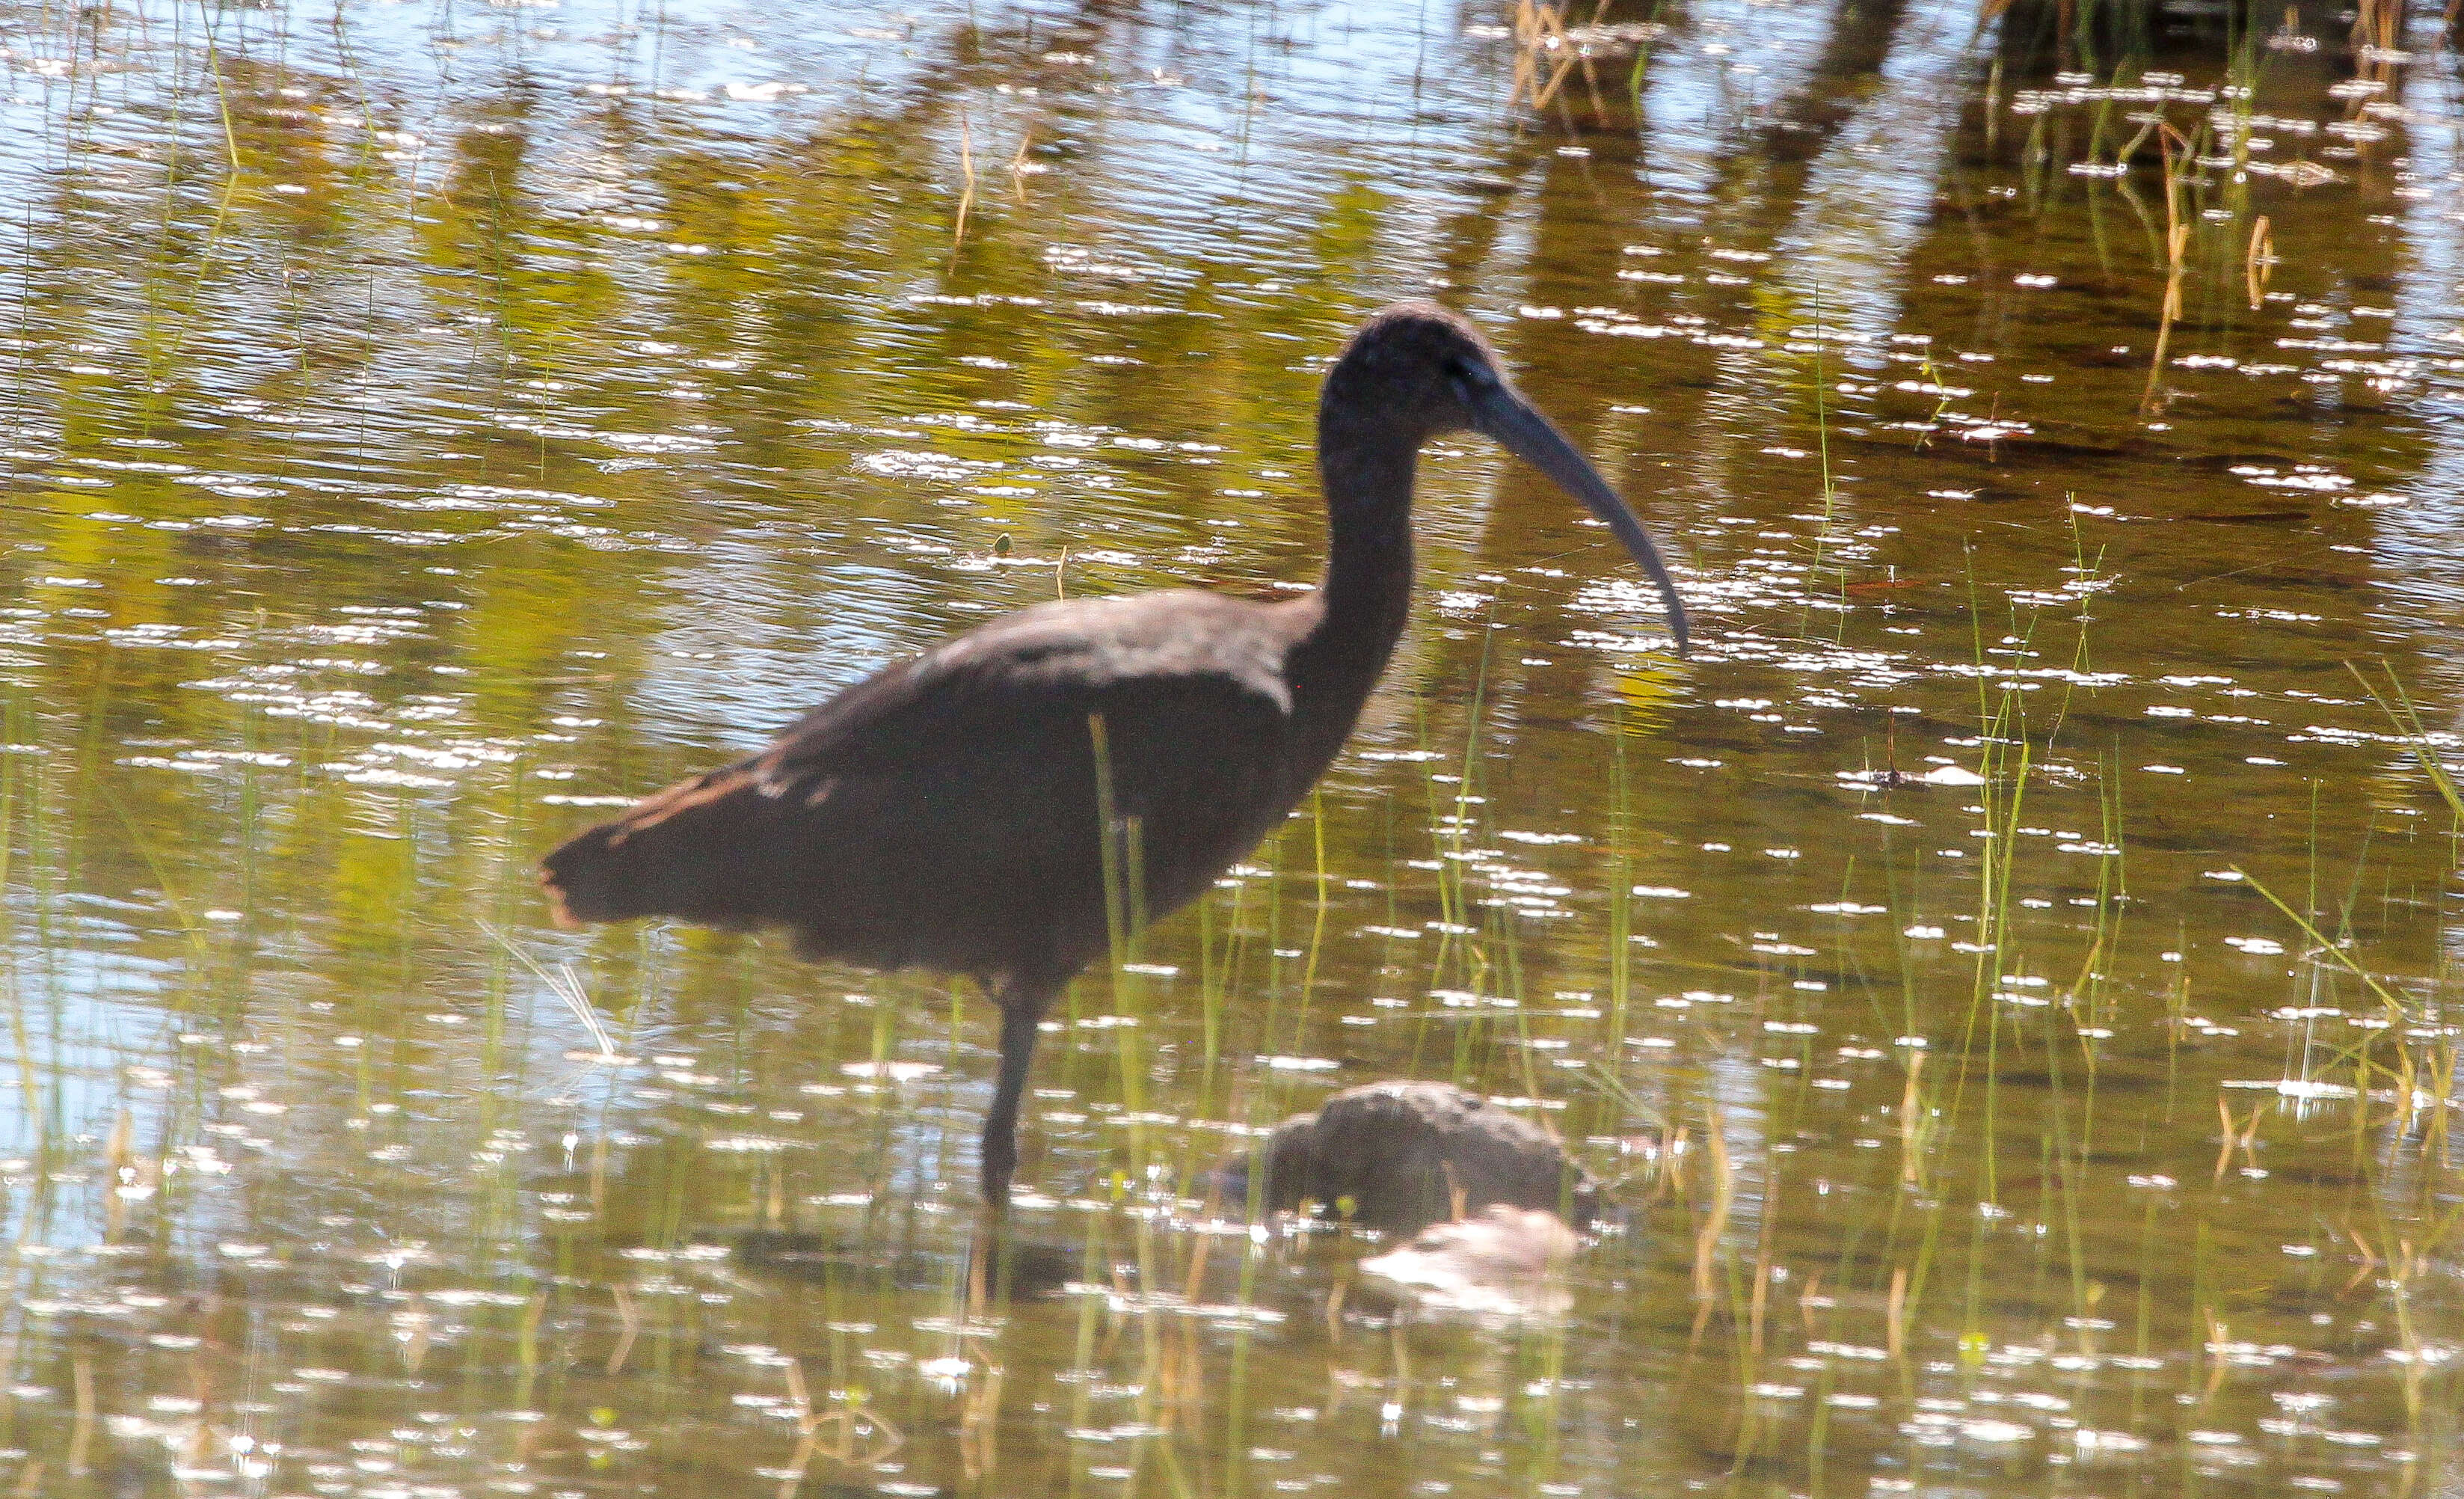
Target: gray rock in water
<point>1402,1152</point>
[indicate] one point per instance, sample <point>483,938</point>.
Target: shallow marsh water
<point>2003,976</point>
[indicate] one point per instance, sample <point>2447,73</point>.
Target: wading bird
<point>985,807</point>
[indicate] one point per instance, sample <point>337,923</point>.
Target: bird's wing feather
<point>1045,668</point>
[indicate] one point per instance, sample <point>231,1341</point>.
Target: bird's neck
<point>1366,469</point>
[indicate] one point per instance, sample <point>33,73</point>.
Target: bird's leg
<point>1022,1002</point>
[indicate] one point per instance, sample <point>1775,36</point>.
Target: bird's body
<point>944,813</point>
<point>958,811</point>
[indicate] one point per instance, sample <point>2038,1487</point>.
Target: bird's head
<point>1417,370</point>
<point>1416,367</point>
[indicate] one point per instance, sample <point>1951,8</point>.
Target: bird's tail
<point>690,852</point>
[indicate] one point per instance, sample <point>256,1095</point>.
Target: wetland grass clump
<point>2419,1077</point>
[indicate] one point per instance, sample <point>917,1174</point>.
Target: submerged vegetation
<point>2003,986</point>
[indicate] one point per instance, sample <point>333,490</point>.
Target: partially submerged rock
<point>1506,1262</point>
<point>1404,1155</point>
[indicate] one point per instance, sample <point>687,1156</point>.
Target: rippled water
<point>2003,976</point>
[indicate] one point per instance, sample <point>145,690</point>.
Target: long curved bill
<point>1516,424</point>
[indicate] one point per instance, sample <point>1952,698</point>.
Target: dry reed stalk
<point>2258,263</point>
<point>2224,1155</point>
<point>2238,1136</point>
<point>1538,28</point>
<point>1018,170</point>
<point>2370,1260</point>
<point>2379,24</point>
<point>1524,62</point>
<point>1591,75</point>
<point>1895,1312</point>
<point>980,1428</point>
<point>2434,1140</point>
<point>1715,1223</point>
<point>1557,35</point>
<point>629,1317</point>
<point>1908,1116</point>
<point>966,164</point>
<point>808,1427</point>
<point>2177,244</point>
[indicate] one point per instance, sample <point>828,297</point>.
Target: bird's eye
<point>1467,379</point>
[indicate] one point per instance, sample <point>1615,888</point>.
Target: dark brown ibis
<point>948,812</point>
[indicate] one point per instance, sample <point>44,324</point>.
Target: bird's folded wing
<point>1030,681</point>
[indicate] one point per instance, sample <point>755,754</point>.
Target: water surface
<point>2002,976</point>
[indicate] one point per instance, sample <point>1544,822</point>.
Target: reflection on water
<point>2000,983</point>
